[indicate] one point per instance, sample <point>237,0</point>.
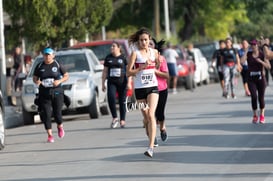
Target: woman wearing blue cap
<point>49,75</point>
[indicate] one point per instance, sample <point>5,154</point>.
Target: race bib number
<point>48,82</point>
<point>115,72</point>
<point>146,78</point>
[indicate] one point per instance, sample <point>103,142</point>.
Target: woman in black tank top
<point>256,81</point>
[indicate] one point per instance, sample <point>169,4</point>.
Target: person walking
<point>216,57</point>
<point>244,72</point>
<point>49,75</point>
<point>230,61</point>
<point>115,72</point>
<point>18,68</point>
<point>257,83</point>
<point>142,64</point>
<point>162,75</point>
<point>171,56</point>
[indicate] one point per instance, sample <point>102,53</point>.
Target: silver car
<point>83,86</point>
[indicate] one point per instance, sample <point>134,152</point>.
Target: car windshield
<point>101,51</point>
<point>179,52</point>
<point>207,49</point>
<point>72,63</point>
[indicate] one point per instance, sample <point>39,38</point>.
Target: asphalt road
<point>210,139</point>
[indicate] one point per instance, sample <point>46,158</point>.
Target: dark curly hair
<point>159,45</point>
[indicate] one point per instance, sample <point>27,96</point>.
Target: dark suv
<point>102,47</point>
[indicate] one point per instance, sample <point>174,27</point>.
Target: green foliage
<point>260,14</point>
<point>56,21</point>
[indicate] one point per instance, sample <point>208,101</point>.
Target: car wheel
<point>104,110</point>
<point>2,130</point>
<point>188,82</point>
<point>94,108</point>
<point>28,117</point>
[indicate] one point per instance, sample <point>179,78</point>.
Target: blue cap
<point>48,51</point>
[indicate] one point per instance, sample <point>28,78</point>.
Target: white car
<point>83,86</point>
<point>201,74</point>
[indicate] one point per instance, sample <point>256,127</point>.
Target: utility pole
<point>2,51</point>
<point>167,19</point>
<point>157,19</point>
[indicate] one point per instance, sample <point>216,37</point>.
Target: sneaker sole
<point>165,139</point>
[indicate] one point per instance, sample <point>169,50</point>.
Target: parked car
<point>2,122</point>
<point>83,86</point>
<point>102,48</point>
<point>201,74</point>
<point>186,68</point>
<point>208,49</point>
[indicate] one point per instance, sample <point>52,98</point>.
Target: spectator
<point>18,68</point>
<point>171,56</point>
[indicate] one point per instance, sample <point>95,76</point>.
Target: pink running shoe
<point>262,120</point>
<point>61,132</point>
<point>255,119</point>
<point>50,139</point>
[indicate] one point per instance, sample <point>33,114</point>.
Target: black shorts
<point>143,93</point>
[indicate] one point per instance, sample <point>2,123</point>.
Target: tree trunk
<point>187,30</point>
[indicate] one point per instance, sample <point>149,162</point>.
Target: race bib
<point>115,72</point>
<point>146,78</point>
<point>48,82</point>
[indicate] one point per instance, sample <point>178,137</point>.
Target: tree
<point>55,21</point>
<point>211,19</point>
<point>260,14</point>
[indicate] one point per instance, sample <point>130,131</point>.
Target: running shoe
<point>114,123</point>
<point>61,132</point>
<point>149,152</point>
<point>122,124</point>
<point>50,139</point>
<point>255,119</point>
<point>225,95</point>
<point>233,96</point>
<point>262,120</point>
<point>155,142</point>
<point>163,135</point>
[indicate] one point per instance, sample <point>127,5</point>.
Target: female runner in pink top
<point>162,75</point>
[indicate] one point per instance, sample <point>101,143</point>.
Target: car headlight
<point>82,84</point>
<point>180,66</point>
<point>29,89</point>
